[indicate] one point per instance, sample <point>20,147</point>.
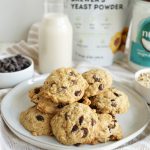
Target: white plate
<point>16,101</point>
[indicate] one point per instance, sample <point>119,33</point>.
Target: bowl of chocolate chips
<point>15,69</point>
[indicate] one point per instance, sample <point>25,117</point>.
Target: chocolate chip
<point>96,79</point>
<point>64,87</point>
<point>75,128</point>
<point>81,120</point>
<point>18,56</point>
<point>66,116</point>
<point>112,126</point>
<point>40,118</point>
<point>77,93</point>
<point>90,83</point>
<point>37,90</point>
<point>77,144</point>
<point>117,94</point>
<point>93,106</point>
<point>12,64</point>
<point>72,73</point>
<point>113,104</point>
<point>92,97</point>
<point>101,87</point>
<point>11,68</point>
<point>113,138</point>
<point>113,116</point>
<point>93,122</point>
<point>85,132</point>
<point>60,105</point>
<point>81,101</point>
<point>112,100</point>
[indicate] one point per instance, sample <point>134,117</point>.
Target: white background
<point>16,16</point>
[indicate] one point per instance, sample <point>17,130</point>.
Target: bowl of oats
<point>142,83</point>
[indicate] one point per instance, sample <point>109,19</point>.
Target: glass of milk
<point>55,38</point>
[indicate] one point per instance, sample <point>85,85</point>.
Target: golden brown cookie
<point>47,106</point>
<point>111,127</point>
<point>36,122</point>
<point>98,80</point>
<point>34,94</point>
<point>76,124</point>
<point>65,85</point>
<point>110,101</point>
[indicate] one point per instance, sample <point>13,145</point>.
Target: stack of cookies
<point>76,108</point>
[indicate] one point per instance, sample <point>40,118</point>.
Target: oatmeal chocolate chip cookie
<point>34,94</point>
<point>76,124</point>
<point>36,122</point>
<point>111,126</point>
<point>98,80</point>
<point>110,101</point>
<point>47,106</point>
<point>65,85</point>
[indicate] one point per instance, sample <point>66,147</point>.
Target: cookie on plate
<point>98,80</point>
<point>110,101</point>
<point>43,104</point>
<point>111,127</point>
<point>76,124</point>
<point>65,85</point>
<point>34,94</point>
<point>36,122</point>
<point>47,106</point>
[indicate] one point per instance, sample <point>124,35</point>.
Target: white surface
<point>11,79</point>
<point>145,92</point>
<point>133,122</point>
<point>16,17</point>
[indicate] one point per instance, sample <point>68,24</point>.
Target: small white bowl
<point>8,80</point>
<point>143,91</point>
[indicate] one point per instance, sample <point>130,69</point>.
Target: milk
<point>55,42</point>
